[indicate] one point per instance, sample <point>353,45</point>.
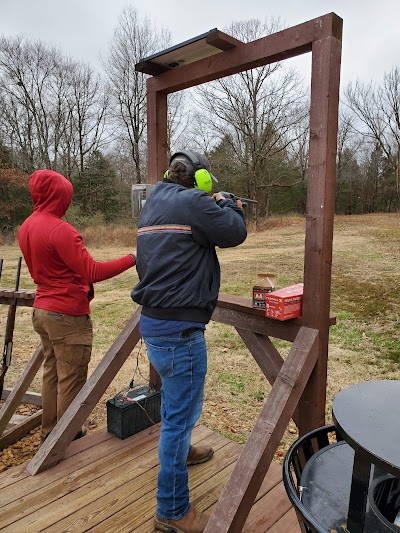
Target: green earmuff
<point>202,180</point>
<point>198,166</point>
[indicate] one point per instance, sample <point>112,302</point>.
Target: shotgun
<point>8,337</point>
<point>244,201</point>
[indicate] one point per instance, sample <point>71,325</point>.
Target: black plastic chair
<point>297,457</point>
<point>384,502</point>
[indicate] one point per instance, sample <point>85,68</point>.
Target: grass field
<point>364,345</point>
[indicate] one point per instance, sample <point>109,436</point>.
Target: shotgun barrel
<point>234,197</point>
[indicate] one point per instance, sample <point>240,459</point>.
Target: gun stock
<point>9,333</point>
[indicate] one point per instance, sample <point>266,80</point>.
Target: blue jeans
<point>182,365</point>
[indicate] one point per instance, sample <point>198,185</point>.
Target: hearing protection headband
<point>202,177</point>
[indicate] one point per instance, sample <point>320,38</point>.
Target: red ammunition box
<point>285,303</point>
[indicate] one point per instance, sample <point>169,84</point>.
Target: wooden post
<point>157,158</point>
<point>157,136</point>
<point>319,220</point>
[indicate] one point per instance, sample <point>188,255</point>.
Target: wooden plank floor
<point>108,485</point>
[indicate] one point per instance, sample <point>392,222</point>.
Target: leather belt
<point>185,333</point>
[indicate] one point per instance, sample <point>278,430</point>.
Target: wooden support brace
<point>269,49</point>
<point>238,496</point>
<point>14,399</point>
<point>264,352</point>
<point>52,451</point>
<point>266,356</point>
<point>33,398</point>
<point>21,429</point>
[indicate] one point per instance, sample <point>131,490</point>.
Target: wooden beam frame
<point>279,46</point>
<point>301,379</point>
<point>231,310</point>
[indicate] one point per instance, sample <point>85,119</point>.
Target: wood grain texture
<point>107,484</point>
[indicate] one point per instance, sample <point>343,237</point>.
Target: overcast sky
<point>82,29</point>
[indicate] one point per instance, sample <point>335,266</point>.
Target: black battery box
<point>134,411</point>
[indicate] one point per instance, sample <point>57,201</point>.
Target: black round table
<point>367,417</point>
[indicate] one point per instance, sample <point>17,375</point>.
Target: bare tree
<point>87,107</point>
<point>256,112</point>
<point>349,180</point>
<point>179,118</point>
<point>377,108</point>
<point>34,92</point>
<point>135,38</point>
<point>53,108</point>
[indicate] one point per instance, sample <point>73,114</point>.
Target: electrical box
<point>137,410</point>
<point>140,193</point>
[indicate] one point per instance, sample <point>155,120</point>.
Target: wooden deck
<point>108,485</point>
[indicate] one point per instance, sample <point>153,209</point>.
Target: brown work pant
<point>67,347</point>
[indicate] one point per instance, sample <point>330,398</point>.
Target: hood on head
<point>51,192</point>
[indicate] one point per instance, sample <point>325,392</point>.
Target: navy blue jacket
<point>178,230</point>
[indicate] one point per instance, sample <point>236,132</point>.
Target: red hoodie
<point>59,263</point>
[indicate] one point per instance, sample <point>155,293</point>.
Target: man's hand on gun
<point>241,202</point>
<point>219,196</point>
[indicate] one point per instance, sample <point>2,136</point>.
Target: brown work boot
<point>192,522</point>
<point>199,454</point>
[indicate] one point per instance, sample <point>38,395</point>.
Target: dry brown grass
<point>110,235</point>
<point>364,345</point>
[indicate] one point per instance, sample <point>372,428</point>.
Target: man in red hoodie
<point>64,272</point>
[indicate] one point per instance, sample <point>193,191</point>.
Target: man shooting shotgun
<point>179,228</point>
<point>8,337</point>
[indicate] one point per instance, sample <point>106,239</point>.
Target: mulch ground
<point>24,449</point>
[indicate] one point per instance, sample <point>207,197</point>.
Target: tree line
<point>90,125</point>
